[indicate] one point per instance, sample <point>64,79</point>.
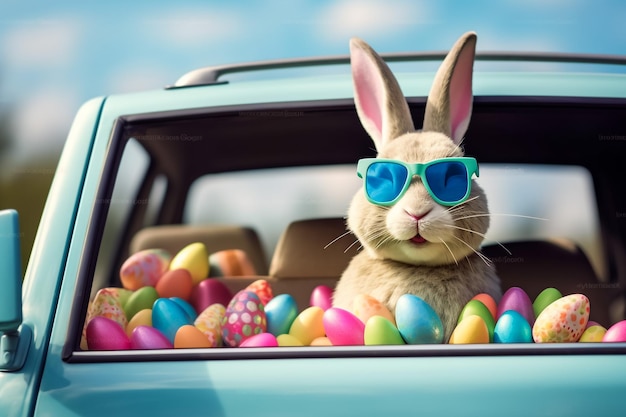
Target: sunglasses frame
<point>419,169</point>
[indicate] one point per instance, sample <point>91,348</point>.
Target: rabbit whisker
<point>500,214</point>
<point>486,260</point>
<point>351,245</point>
<point>479,234</point>
<point>337,238</point>
<point>450,250</point>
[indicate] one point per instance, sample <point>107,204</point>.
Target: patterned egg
<point>141,299</point>
<point>512,327</point>
<point>168,316</point>
<point>308,325</point>
<point>262,289</point>
<point>477,308</point>
<point>187,308</point>
<point>489,302</point>
<point>175,283</point>
<point>516,299</point>
<point>146,337</point>
<point>195,259</point>
<point>593,334</point>
<point>231,263</point>
<point>189,336</point>
<point>288,340</point>
<point>342,327</point>
<point>107,303</point>
<point>209,322</point>
<point>472,329</point>
<point>365,306</point>
<point>562,321</point>
<point>209,292</point>
<point>106,334</point>
<point>544,299</point>
<point>417,321</point>
<point>142,318</point>
<point>280,311</point>
<point>245,317</point>
<point>322,297</point>
<point>260,340</point>
<point>144,268</point>
<point>616,333</point>
<point>321,341</point>
<point>380,331</point>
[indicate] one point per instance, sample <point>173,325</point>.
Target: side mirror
<point>14,338</point>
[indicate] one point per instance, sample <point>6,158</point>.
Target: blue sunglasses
<point>447,180</point>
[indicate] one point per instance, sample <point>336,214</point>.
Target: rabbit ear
<point>380,104</point>
<point>449,105</point>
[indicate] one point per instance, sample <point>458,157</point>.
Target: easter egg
<point>562,321</point>
<point>141,299</point>
<point>195,259</point>
<point>512,327</point>
<point>280,312</point>
<point>244,318</point>
<point>365,306</point>
<point>593,334</point>
<point>308,325</point>
<point>342,327</point>
<point>321,341</point>
<point>144,268</point>
<point>168,316</point>
<point>106,334</point>
<point>146,337</point>
<point>187,308</point>
<point>107,303</point>
<point>417,321</point>
<point>322,297</point>
<point>544,299</point>
<point>288,340</point>
<point>489,302</point>
<point>260,340</point>
<point>516,299</point>
<point>262,289</point>
<point>189,336</point>
<point>175,283</point>
<point>380,331</point>
<point>472,329</point>
<point>477,308</point>
<point>231,263</point>
<point>209,292</point>
<point>142,318</point>
<point>616,333</point>
<point>209,322</point>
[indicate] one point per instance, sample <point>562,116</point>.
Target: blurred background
<point>56,55</point>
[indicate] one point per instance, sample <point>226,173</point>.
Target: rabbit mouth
<point>418,239</point>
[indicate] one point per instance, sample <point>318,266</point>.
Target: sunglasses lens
<point>384,181</point>
<point>448,181</point>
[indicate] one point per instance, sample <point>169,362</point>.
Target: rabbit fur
<point>447,269</point>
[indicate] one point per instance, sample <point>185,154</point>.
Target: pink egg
<point>322,297</point>
<point>616,333</point>
<point>244,318</point>
<point>260,340</point>
<point>261,288</point>
<point>342,327</point>
<point>208,292</point>
<point>516,299</point>
<point>106,334</point>
<point>144,268</point>
<point>146,337</point>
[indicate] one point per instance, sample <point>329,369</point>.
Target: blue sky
<point>56,55</point>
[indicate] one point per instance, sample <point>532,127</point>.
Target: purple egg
<point>260,340</point>
<point>516,299</point>
<point>209,292</point>
<point>105,334</point>
<point>146,337</point>
<point>322,297</point>
<point>616,333</point>
<point>343,328</point>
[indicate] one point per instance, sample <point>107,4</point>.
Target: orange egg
<point>365,306</point>
<point>142,318</point>
<point>189,336</point>
<point>489,302</point>
<point>175,283</point>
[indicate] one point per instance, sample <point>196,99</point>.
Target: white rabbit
<point>414,244</point>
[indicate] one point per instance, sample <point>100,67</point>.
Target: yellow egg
<point>472,329</point>
<point>142,318</point>
<point>308,325</point>
<point>195,259</point>
<point>365,306</point>
<point>288,340</point>
<point>321,341</point>
<point>189,336</point>
<point>593,334</point>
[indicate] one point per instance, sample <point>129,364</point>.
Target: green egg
<point>545,298</point>
<point>380,331</point>
<point>141,299</point>
<point>476,308</point>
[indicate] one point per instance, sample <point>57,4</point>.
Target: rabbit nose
<point>418,217</point>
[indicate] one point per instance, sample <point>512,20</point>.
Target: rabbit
<point>417,246</point>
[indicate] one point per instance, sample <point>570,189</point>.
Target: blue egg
<point>512,327</point>
<point>280,312</point>
<point>417,321</point>
<point>188,308</point>
<point>168,316</point>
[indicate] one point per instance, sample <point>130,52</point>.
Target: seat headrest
<point>316,248</point>
<point>215,237</point>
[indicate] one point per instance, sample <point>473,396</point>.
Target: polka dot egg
<point>562,321</point>
<point>244,318</point>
